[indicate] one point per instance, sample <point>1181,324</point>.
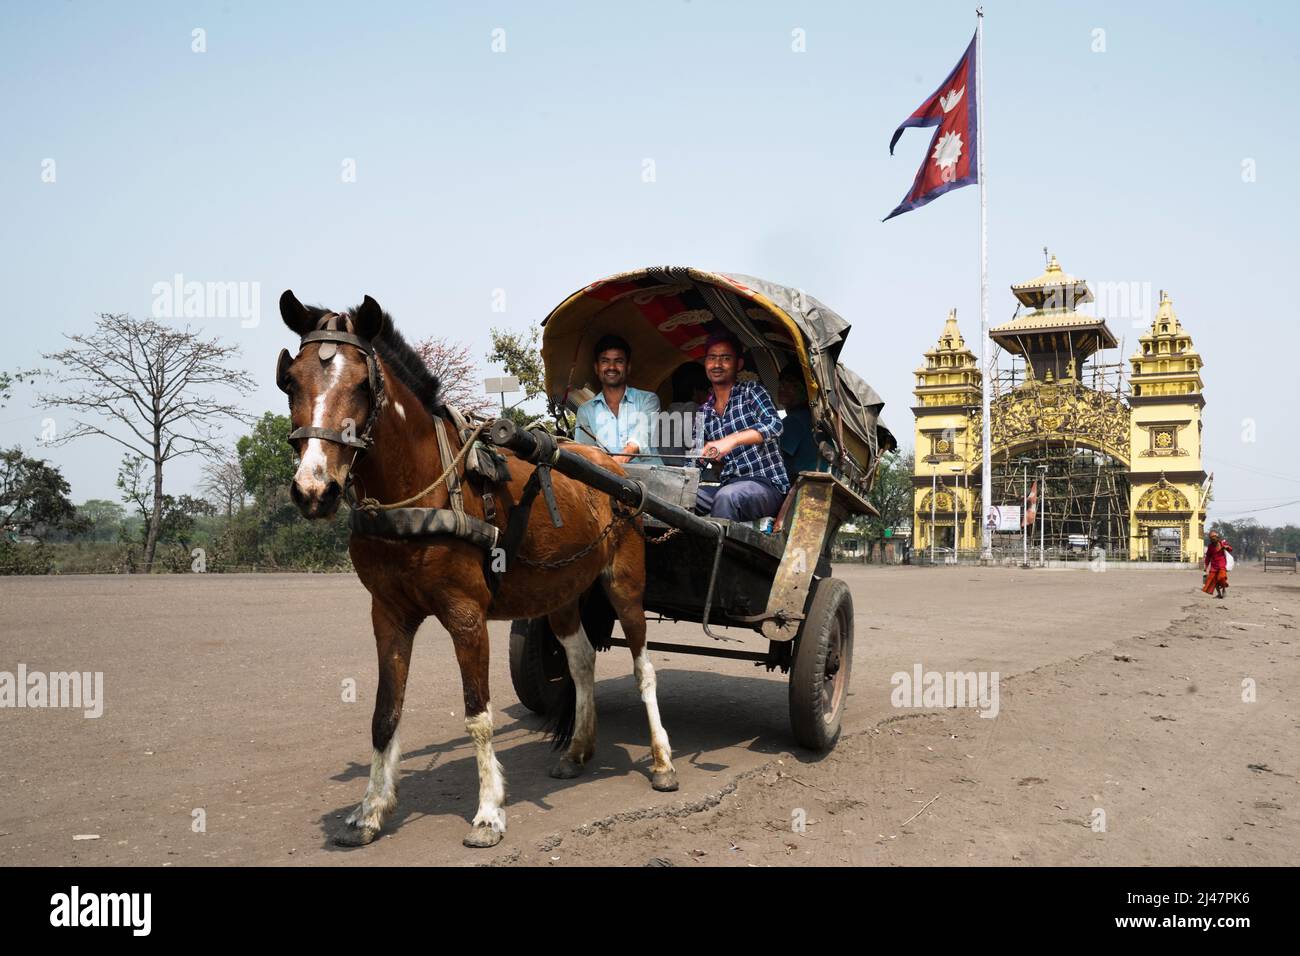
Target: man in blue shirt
<point>619,417</point>
<point>741,429</point>
<point>798,447</point>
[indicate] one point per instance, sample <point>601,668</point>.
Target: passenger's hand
<point>716,449</point>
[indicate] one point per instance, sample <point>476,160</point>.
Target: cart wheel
<point>537,664</point>
<point>823,663</point>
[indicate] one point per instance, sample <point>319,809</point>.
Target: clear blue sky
<point>522,171</point>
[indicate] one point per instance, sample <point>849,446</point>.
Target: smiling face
<point>612,367</point>
<point>330,392</point>
<point>722,363</point>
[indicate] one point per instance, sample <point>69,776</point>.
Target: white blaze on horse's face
<point>330,395</point>
<point>313,467</point>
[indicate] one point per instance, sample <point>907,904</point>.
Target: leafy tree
<point>102,518</point>
<point>131,481</point>
<point>892,496</point>
<point>1247,537</point>
<point>148,387</point>
<point>521,356</point>
<point>1286,538</point>
<point>179,518</point>
<point>33,496</point>
<point>265,456</point>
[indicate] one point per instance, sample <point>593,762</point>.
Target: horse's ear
<point>282,370</point>
<point>369,318</point>
<point>295,314</point>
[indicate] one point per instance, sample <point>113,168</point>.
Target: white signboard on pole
<point>504,384</point>
<point>1004,518</point>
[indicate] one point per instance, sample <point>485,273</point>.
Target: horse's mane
<point>402,360</point>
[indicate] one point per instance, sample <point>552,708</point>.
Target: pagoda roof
<point>1052,298</point>
<point>1055,287</point>
<point>1054,320</point>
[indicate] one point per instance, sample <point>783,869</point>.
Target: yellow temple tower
<point>947,449</point>
<point>1117,466</point>
<point>1167,476</point>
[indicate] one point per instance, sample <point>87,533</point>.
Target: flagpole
<point>986,489</point>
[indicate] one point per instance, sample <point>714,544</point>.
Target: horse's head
<point>335,389</point>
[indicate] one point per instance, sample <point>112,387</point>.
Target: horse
<point>356,367</point>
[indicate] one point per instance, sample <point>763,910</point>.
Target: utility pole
<point>934,493</point>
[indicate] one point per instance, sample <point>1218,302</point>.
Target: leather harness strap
<point>398,523</point>
<point>453,480</point>
<point>328,333</point>
<point>423,523</point>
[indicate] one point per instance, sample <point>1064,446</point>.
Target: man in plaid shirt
<point>741,429</point>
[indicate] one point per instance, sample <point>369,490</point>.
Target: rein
<point>371,504</point>
<point>397,520</point>
<point>328,332</point>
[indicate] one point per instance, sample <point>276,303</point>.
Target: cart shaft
<point>540,448</point>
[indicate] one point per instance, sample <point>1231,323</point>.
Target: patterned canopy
<point>667,313</point>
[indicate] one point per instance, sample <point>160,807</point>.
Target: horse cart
<point>771,581</point>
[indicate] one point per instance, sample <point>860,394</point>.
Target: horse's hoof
<point>482,837</point>
<point>566,769</point>
<point>356,836</point>
<point>664,781</point>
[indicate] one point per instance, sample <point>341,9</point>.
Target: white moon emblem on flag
<point>948,150</point>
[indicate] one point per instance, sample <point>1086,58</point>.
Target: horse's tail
<point>598,624</point>
<point>560,719</point>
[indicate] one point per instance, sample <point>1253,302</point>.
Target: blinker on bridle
<point>329,334</point>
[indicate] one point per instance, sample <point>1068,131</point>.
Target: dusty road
<point>1120,693</point>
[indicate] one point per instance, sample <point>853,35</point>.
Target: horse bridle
<point>328,332</point>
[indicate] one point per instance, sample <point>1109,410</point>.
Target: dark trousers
<point>741,500</point>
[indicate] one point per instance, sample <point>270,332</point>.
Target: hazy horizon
<point>451,159</point>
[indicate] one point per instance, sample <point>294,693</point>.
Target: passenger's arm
<point>766,421</point>
<point>729,443</point>
<point>640,440</point>
<point>584,430</point>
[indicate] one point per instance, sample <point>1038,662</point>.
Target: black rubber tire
<point>537,665</point>
<point>823,665</point>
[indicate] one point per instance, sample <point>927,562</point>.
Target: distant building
<point>1118,461</point>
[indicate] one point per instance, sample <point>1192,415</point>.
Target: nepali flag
<point>951,162</point>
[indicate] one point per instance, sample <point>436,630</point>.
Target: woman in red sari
<point>1216,566</point>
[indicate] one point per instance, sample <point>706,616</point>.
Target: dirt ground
<point>1122,735</point>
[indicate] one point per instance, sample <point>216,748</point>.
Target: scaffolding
<point>1083,489</point>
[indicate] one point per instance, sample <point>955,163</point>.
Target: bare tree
<point>223,482</point>
<point>147,387</point>
<point>457,374</point>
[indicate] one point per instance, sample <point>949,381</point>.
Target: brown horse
<point>365,372</point>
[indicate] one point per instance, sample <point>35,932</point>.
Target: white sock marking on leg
<point>491,781</point>
<point>660,749</point>
<point>582,667</point>
<point>381,791</point>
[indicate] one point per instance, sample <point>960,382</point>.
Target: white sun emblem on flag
<point>947,151</point>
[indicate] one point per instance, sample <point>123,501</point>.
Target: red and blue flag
<point>952,159</point>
